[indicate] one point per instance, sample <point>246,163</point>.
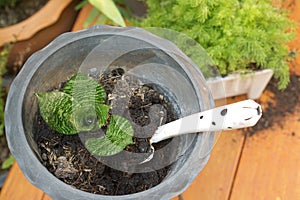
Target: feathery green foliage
<point>235,33</point>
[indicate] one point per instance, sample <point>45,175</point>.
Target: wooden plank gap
<point>237,167</point>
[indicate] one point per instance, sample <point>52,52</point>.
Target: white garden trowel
<point>233,116</point>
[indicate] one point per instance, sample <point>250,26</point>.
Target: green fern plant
<point>80,107</point>
<point>235,33</point>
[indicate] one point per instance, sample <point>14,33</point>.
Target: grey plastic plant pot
<point>181,80</point>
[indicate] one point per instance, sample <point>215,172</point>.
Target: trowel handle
<point>233,116</point>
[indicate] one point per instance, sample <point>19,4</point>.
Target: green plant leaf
<point>80,107</point>
<point>101,19</point>
<point>118,135</point>
<point>67,116</point>
<point>102,113</point>
<point>87,118</point>
<point>8,162</point>
<point>119,130</point>
<point>91,96</point>
<point>85,90</point>
<point>56,109</point>
<point>109,8</point>
<point>102,146</point>
<point>91,17</point>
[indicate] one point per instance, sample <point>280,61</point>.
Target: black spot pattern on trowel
<point>284,103</point>
<point>224,112</point>
<point>258,110</point>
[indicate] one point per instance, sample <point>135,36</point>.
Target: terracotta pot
<point>38,30</point>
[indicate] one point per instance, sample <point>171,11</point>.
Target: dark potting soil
<point>67,158</point>
<point>284,103</point>
<point>23,9</point>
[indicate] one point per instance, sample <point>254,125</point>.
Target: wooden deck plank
<point>17,187</point>
<point>269,167</point>
<point>294,7</point>
<point>215,180</point>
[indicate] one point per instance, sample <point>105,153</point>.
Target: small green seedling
<point>80,107</point>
